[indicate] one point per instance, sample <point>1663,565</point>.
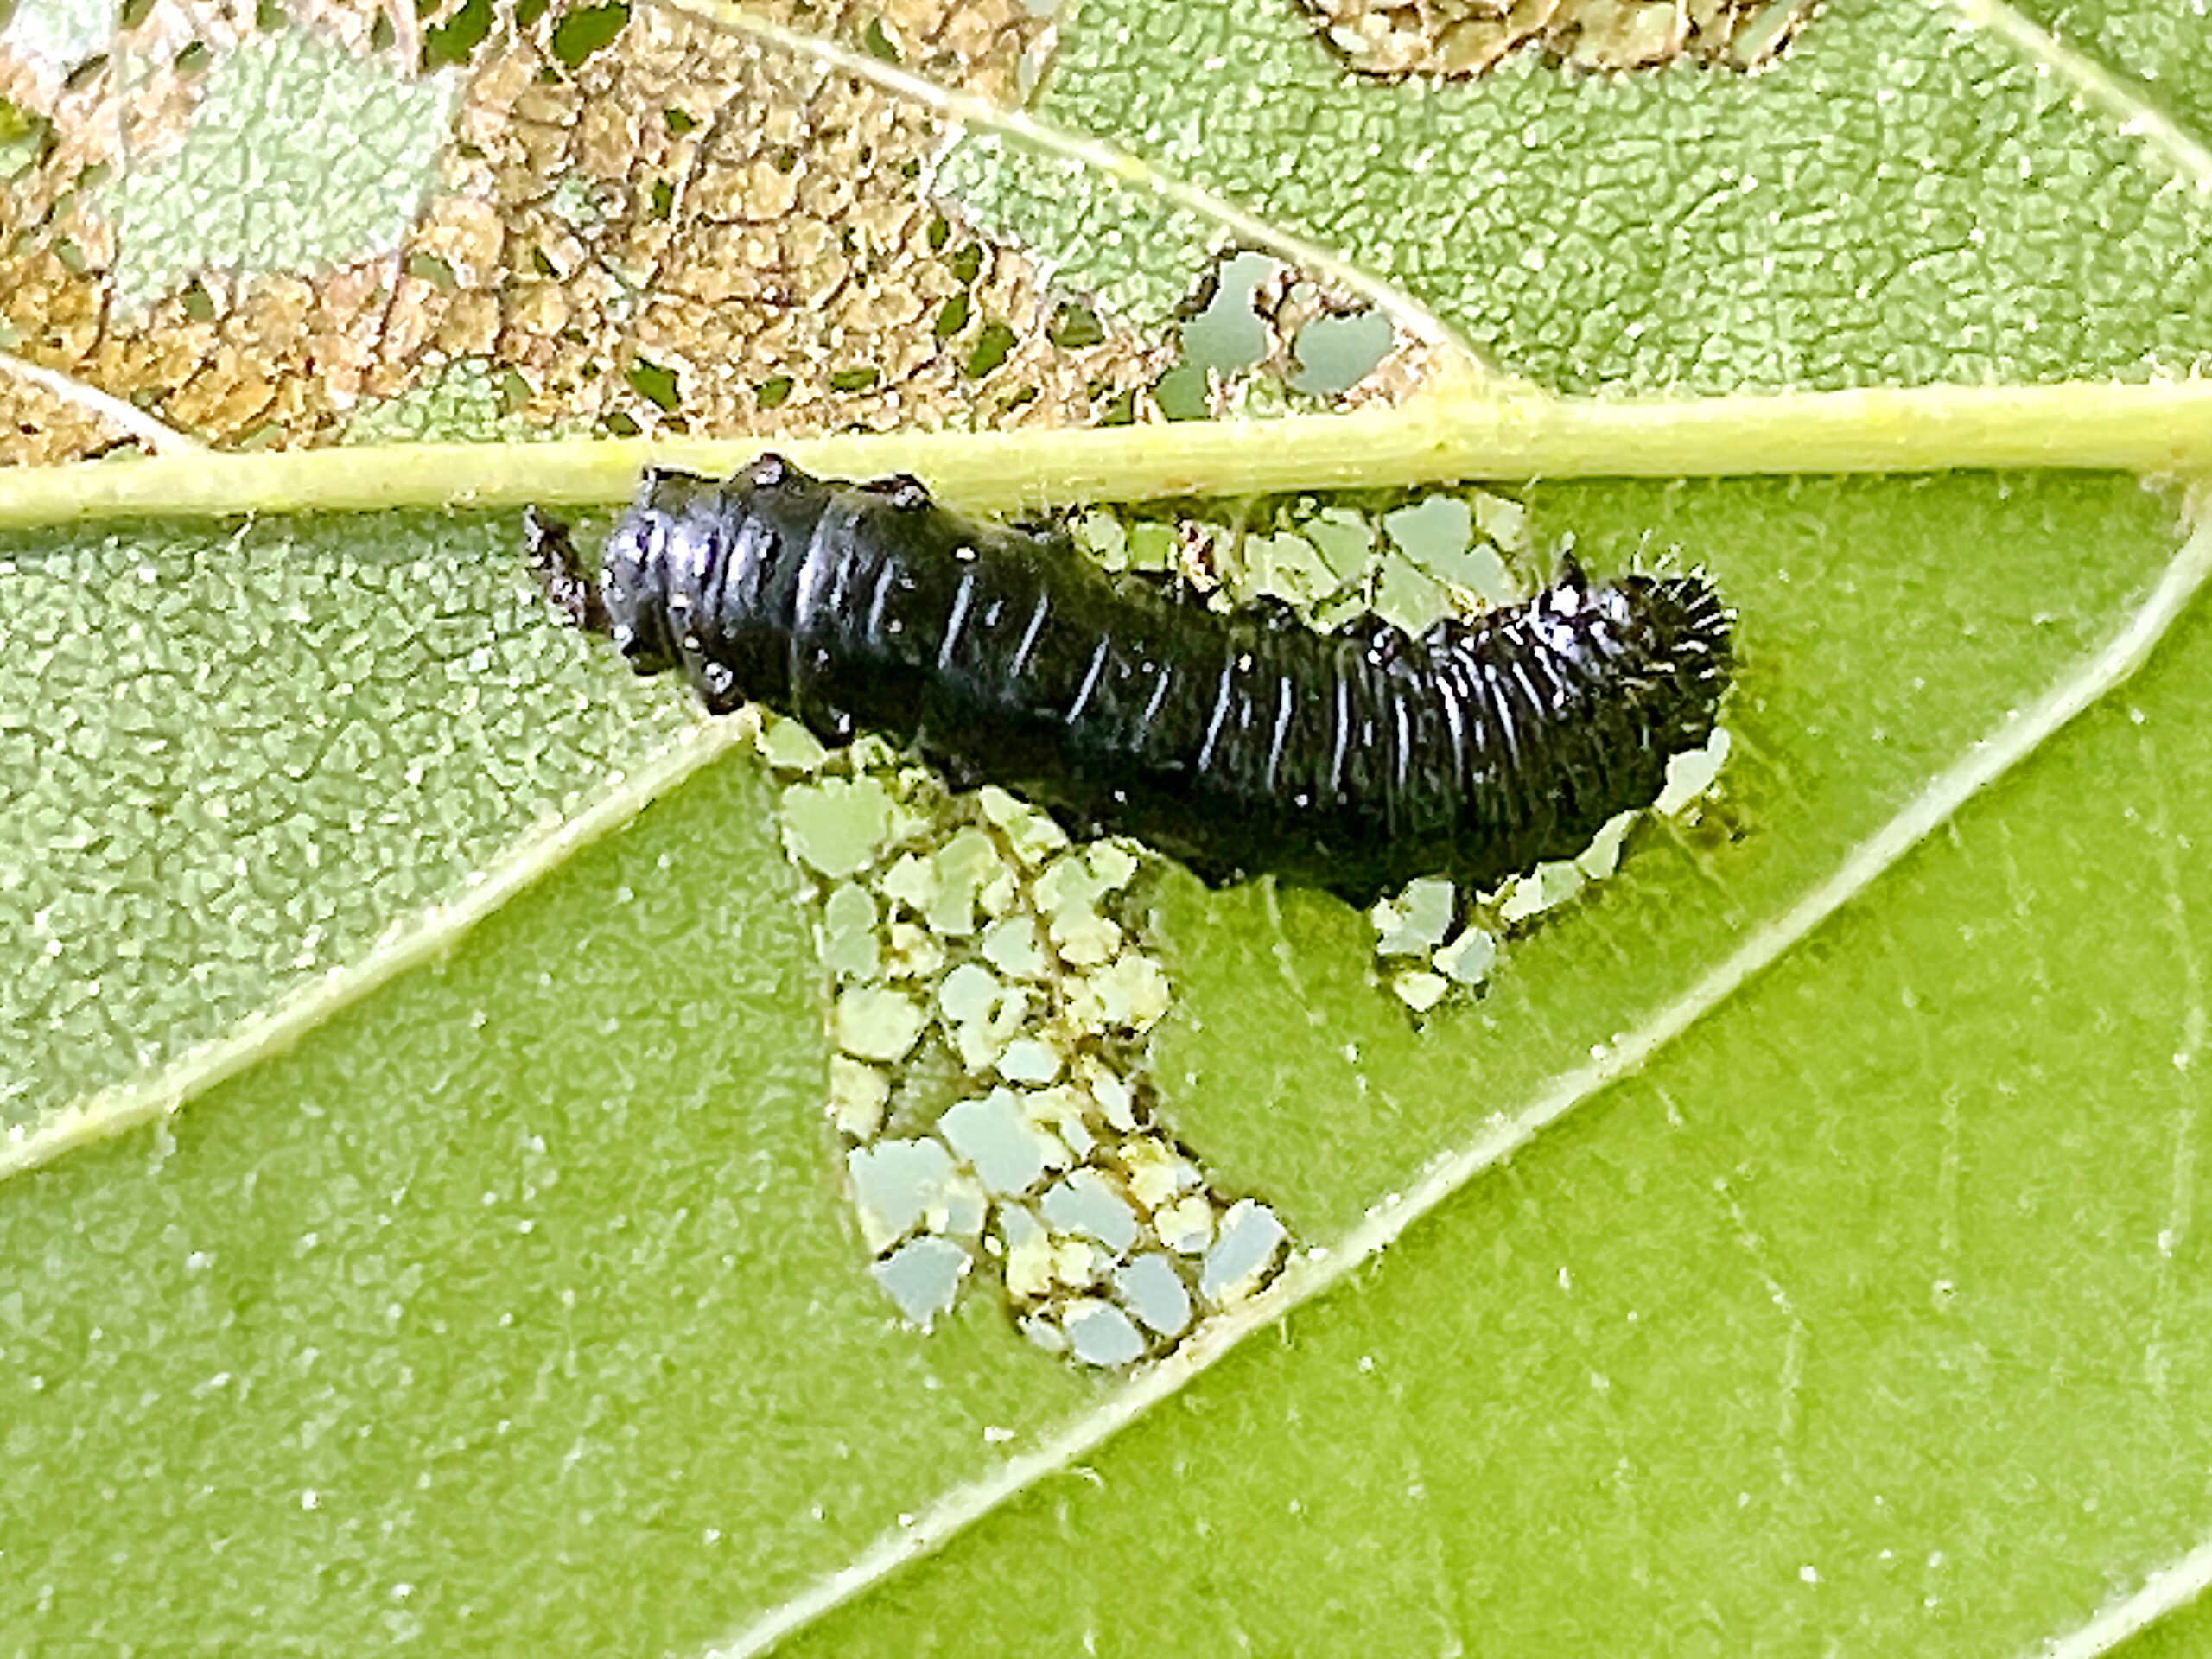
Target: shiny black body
<point>1241,743</point>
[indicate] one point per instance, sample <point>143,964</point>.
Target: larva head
<point>552,554</point>
<point>640,572</point>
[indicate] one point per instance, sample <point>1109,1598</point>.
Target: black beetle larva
<point>1241,742</point>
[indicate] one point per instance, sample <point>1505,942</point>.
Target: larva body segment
<point>1242,743</point>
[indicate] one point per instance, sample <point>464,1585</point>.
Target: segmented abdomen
<point>1241,743</point>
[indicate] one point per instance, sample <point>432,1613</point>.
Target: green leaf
<point>499,1289</point>
<point>255,750</point>
<point>1899,201</point>
<point>298,155</point>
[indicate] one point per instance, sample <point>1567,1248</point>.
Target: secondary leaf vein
<point>2121,98</point>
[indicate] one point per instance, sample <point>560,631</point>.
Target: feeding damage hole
<point>1454,39</point>
<point>991,1005</point>
<point>994,995</point>
<point>1261,338</point>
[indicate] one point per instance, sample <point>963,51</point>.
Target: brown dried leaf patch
<point>1459,38</point>
<point>684,231</point>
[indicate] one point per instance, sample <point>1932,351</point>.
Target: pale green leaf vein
<point>2167,1590</point>
<point>2119,96</point>
<point>2011,741</point>
<point>104,407</point>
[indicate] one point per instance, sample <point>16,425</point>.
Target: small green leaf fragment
<point>923,1276</point>
<point>915,953</point>
<point>427,267</point>
<point>969,994</point>
<point>1116,1100</point>
<point>1155,1293</point>
<point>1502,521</point>
<point>1030,835</point>
<point>1112,865</point>
<point>1182,392</point>
<point>998,1139</point>
<point>1040,1329</point>
<point>1063,1109</point>
<point>952,316</point>
<point>992,347</point>
<point>1439,536</point>
<point>1409,597</point>
<point>1152,547</point>
<point>1074,326</point>
<point>876,41</point>
<point>653,382</point>
<point>1692,773</point>
<point>1416,921</point>
<point>1345,540</point>
<point>1468,959</point>
<point>1099,1333</point>
<point>876,1024</point>
<point>982,1037</point>
<point>912,882</point>
<point>1420,990</point>
<point>965,865</point>
<point>1013,947</point>
<point>583,30</point>
<point>787,745</point>
<point>858,1095</point>
<point>1186,1226</point>
<point>455,41</point>
<point>24,138</point>
<point>967,264</point>
<point>1028,1060</point>
<point>897,1183</point>
<point>1085,1204</point>
<point>836,826</point>
<point>1289,567</point>
<point>1433,532</point>
<point>850,946</point>
<point>1130,994</point>
<point>1333,354</point>
<point>1103,538</point>
<point>1603,856</point>
<point>1245,1248</point>
<point>1228,336</point>
<point>1156,1173</point>
<point>1543,889</point>
<point>1082,935</point>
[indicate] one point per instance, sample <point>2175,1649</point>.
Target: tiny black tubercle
<point>1243,743</point>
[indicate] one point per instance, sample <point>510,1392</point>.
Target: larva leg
<point>569,584</point>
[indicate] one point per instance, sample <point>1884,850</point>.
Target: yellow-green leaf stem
<point>2160,429</point>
